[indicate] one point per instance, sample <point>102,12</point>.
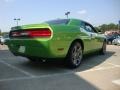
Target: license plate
<point>21,49</point>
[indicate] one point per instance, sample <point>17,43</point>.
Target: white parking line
<point>31,76</point>
<point>11,58</point>
<point>53,75</point>
<point>18,69</point>
<point>116,82</point>
<point>114,64</point>
<point>36,77</point>
<point>99,69</point>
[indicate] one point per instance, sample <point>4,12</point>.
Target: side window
<point>82,25</point>
<point>89,28</point>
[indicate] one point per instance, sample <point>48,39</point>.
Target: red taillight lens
<point>32,33</point>
<point>40,33</point>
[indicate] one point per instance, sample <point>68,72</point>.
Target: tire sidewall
<point>69,56</point>
<point>103,50</point>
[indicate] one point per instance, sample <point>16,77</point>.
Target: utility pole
<point>17,20</point>
<point>67,13</point>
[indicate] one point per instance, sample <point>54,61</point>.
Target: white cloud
<point>7,1</point>
<point>82,12</point>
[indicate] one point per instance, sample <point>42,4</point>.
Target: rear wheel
<point>75,55</point>
<point>32,59</point>
<point>2,43</point>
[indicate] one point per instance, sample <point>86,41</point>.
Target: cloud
<point>7,1</point>
<point>82,12</point>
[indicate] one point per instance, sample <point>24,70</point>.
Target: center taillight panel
<point>42,32</point>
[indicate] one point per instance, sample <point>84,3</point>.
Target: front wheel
<point>75,55</point>
<point>103,50</point>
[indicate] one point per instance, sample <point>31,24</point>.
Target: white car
<point>4,38</point>
<point>0,38</point>
<point>116,41</point>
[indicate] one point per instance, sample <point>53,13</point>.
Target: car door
<point>93,35</point>
<point>86,37</point>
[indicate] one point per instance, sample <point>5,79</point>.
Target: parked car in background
<point>0,39</point>
<point>62,38</point>
<point>4,38</point>
<point>110,38</point>
<point>116,41</point>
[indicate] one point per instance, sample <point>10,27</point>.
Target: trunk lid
<point>30,31</point>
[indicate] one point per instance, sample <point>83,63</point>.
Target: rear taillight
<point>15,34</point>
<point>40,33</point>
<point>32,33</point>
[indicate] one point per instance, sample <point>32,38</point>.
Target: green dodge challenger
<point>61,38</point>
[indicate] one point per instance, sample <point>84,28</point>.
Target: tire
<point>32,59</point>
<point>103,50</point>
<point>2,43</point>
<point>75,55</point>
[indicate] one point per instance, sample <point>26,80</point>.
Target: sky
<point>96,12</point>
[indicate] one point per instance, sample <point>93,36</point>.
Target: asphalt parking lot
<point>96,72</point>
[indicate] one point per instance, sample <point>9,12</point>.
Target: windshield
<point>58,21</point>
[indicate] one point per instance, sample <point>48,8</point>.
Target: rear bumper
<point>27,48</point>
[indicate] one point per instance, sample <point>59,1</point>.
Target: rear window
<point>58,21</point>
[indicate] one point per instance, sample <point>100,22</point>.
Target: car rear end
<point>51,39</point>
<point>30,40</point>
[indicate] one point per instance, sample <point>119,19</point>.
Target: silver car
<point>0,38</point>
<point>4,38</point>
<point>116,41</point>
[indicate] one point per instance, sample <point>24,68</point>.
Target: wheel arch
<point>76,40</point>
<point>68,56</point>
<point>80,41</point>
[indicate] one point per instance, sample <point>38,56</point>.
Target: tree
<point>103,27</point>
<point>0,32</point>
<point>112,26</point>
<point>107,27</point>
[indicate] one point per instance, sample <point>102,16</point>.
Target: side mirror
<point>100,32</point>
